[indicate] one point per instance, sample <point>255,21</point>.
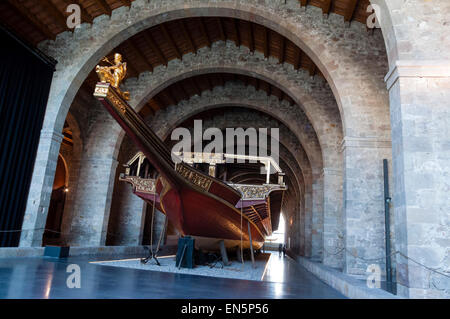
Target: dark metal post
<point>387,200</point>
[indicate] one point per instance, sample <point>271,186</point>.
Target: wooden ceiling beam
<point>56,15</point>
<point>182,26</point>
<point>170,91</point>
<point>312,69</point>
<point>210,85</point>
<point>183,91</point>
<point>298,58</point>
<point>103,5</point>
<point>170,40</point>
<point>146,110</point>
<point>350,11</point>
<point>235,25</point>
<point>32,19</point>
<point>251,37</point>
<point>149,40</point>
<point>205,32</point>
<point>139,54</point>
<point>326,6</point>
<point>171,99</point>
<point>282,49</point>
<point>196,87</point>
<point>221,80</point>
<point>223,35</point>
<point>303,3</point>
<point>126,3</point>
<point>159,105</point>
<point>266,42</point>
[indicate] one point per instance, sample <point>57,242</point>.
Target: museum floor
<point>46,278</point>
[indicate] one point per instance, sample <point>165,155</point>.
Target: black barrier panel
<point>25,78</point>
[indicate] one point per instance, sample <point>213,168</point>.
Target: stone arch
<point>73,165</point>
<point>288,155</point>
<point>314,35</point>
<point>163,123</point>
<point>238,95</point>
<point>354,78</point>
<point>286,142</point>
<point>279,111</point>
<point>313,96</point>
<point>415,34</point>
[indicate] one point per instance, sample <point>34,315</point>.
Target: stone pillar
<point>364,202</point>
<point>306,206</point>
<point>420,120</point>
<point>71,197</point>
<point>333,237</point>
<point>126,225</point>
<point>317,219</point>
<point>299,220</point>
<point>41,188</point>
<point>93,202</point>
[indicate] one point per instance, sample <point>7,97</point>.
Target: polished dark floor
<point>46,278</point>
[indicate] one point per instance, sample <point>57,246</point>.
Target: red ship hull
<point>196,204</point>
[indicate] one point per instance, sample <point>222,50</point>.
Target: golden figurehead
<point>114,74</point>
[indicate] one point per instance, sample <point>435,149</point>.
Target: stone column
<point>306,206</point>
<point>332,218</point>
<point>93,202</point>
<point>420,119</point>
<point>127,216</point>
<point>41,188</point>
<point>299,218</point>
<point>364,202</point>
<point>71,197</point>
<point>317,219</point>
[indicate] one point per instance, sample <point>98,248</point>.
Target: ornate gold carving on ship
<point>141,185</point>
<point>256,191</point>
<point>194,177</point>
<point>114,74</point>
<point>104,90</point>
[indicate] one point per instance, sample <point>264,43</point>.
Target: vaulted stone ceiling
<point>186,88</point>
<point>38,20</point>
<point>172,40</point>
<point>160,44</point>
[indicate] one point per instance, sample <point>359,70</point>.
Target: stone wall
<point>348,112</point>
<point>417,42</point>
<point>127,217</point>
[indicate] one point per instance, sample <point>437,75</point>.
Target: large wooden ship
<point>259,204</point>
<point>197,204</point>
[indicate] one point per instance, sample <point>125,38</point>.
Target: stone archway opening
<point>326,64</point>
<point>52,234</point>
